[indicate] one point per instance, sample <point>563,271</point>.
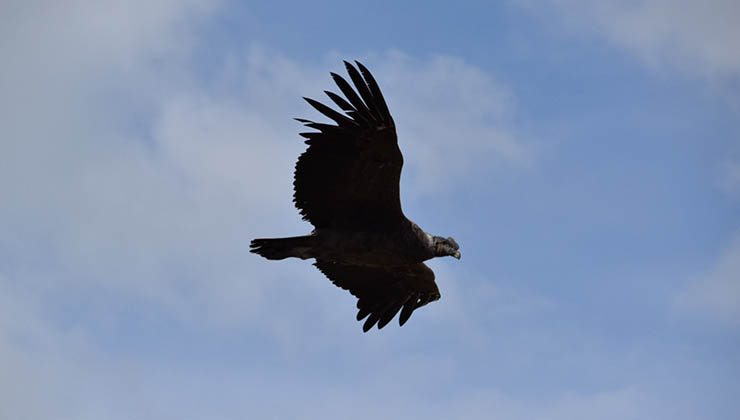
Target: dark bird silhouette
<point>347,185</point>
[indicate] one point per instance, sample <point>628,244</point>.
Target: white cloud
<point>716,294</point>
<point>124,177</point>
<point>125,173</point>
<point>698,37</point>
<point>52,372</point>
<point>454,120</point>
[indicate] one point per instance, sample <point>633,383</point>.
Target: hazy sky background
<point>585,155</point>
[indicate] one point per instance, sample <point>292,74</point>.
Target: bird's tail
<point>279,248</point>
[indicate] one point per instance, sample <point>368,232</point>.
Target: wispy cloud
<point>716,293</point>
<point>134,178</point>
<point>155,189</point>
<point>454,120</point>
<point>697,37</point>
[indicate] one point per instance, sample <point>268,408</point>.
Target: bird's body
<point>398,247</point>
<point>347,186</point>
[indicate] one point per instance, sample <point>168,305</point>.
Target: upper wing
<point>383,291</point>
<point>349,176</point>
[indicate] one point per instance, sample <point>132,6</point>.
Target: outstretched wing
<point>383,291</point>
<point>349,176</point>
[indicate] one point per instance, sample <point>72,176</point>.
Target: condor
<point>347,185</point>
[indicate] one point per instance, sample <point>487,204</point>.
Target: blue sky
<point>585,155</point>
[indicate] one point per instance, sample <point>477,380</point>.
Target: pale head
<point>446,246</point>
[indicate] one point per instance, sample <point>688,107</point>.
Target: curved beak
<point>457,255</point>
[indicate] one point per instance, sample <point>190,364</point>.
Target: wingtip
<point>370,322</point>
<point>310,101</point>
<point>362,314</point>
<point>408,309</point>
<point>383,322</point>
<point>348,65</point>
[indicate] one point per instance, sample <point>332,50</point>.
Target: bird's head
<point>446,246</point>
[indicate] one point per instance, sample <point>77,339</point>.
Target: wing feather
<point>351,95</point>
<point>346,106</point>
<point>363,90</point>
<point>340,119</point>
<point>408,309</point>
<point>349,175</point>
<point>378,99</point>
<point>384,291</point>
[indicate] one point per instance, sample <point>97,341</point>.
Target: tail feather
<point>280,248</point>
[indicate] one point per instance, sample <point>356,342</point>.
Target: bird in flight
<point>346,184</point>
